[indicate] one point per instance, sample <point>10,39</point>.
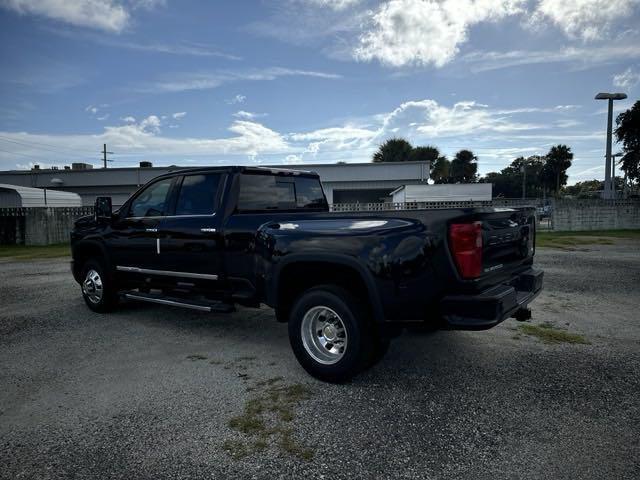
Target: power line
<point>32,143</point>
<point>59,152</point>
<point>21,154</point>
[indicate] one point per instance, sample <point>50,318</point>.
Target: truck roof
<point>241,169</point>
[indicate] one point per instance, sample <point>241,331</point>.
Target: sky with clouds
<point>310,81</point>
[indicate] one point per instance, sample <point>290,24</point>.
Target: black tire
<point>359,350</point>
<point>108,300</point>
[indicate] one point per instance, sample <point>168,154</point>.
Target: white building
<point>463,192</point>
<point>13,196</point>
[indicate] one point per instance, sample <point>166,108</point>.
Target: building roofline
<point>302,167</point>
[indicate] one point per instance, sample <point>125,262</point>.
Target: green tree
<point>628,133</point>
<point>425,154</point>
<point>464,167</point>
<point>393,150</point>
<point>554,172</point>
<point>508,182</point>
<point>440,170</point>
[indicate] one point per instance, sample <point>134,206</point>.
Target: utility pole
<point>104,154</point>
<point>608,185</point>
<point>523,169</point>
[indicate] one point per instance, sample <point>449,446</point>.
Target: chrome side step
<point>178,302</point>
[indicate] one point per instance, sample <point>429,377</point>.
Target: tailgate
<point>508,238</point>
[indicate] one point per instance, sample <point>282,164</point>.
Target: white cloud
<point>424,32</point>
<point>108,15</point>
<point>249,139</point>
<point>627,79</point>
<point>178,115</point>
<point>495,133</point>
<point>576,56</point>
<point>293,159</point>
<point>93,110</point>
<point>236,99</point>
<point>195,49</point>
<point>150,124</point>
<point>337,134</point>
<point>584,19</point>
<point>209,80</point>
<point>248,115</point>
<point>332,4</point>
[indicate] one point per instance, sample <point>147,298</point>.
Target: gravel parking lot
<point>155,392</point>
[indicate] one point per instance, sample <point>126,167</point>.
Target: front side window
<point>152,201</point>
<point>198,194</point>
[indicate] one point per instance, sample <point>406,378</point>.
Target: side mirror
<point>103,209</point>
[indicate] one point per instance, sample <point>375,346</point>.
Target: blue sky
<point>310,81</point>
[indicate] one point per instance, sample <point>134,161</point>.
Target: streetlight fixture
<point>608,190</point>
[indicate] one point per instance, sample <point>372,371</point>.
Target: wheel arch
<point>299,272</point>
<point>86,249</point>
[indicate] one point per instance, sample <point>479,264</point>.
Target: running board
<point>179,302</point>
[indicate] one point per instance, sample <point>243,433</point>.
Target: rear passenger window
<point>198,194</point>
<point>309,193</point>
<point>266,192</point>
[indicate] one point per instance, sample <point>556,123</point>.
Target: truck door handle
<point>151,230</point>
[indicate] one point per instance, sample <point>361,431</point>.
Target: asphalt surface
<point>151,391</point>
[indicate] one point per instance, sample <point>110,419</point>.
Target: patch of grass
<point>21,252</point>
<point>196,356</point>
<point>549,334</point>
<point>263,418</point>
<point>570,240</point>
<point>289,445</point>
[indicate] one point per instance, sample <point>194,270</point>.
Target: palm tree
<point>628,132</point>
<point>424,154</point>
<point>393,150</point>
<point>464,167</point>
<point>440,170</point>
<point>555,168</point>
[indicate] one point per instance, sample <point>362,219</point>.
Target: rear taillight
<point>465,242</point>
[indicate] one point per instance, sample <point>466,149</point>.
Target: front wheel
<point>330,334</point>
<point>98,290</point>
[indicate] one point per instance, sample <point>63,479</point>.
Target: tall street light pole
<point>608,191</point>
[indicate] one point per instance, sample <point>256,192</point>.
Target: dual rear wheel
<point>331,335</point>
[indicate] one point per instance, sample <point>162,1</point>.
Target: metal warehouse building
<point>343,183</point>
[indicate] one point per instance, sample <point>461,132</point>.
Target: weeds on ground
<point>550,334</point>
<point>265,418</point>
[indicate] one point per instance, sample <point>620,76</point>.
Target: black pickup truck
<point>211,238</point>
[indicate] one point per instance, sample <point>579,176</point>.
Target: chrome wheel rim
<point>324,335</point>
<point>92,286</point>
